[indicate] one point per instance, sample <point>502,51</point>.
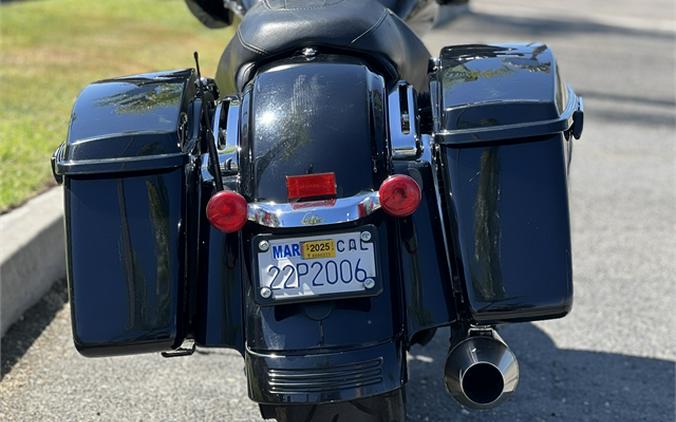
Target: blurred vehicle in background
<point>220,13</point>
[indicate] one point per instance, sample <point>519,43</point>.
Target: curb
<point>32,254</point>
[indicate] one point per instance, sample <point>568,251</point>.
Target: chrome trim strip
<point>217,122</point>
<point>204,169</point>
<point>404,139</point>
<point>316,213</point>
<point>436,97</point>
<point>228,155</point>
<point>427,143</point>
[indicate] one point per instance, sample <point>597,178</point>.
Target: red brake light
<point>400,195</point>
<point>311,185</point>
<point>227,211</point>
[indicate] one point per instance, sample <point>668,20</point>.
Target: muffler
<point>481,370</point>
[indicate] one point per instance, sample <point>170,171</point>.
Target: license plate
<point>316,267</point>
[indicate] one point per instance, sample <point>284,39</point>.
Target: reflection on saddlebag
<point>125,185</point>
<point>503,120</point>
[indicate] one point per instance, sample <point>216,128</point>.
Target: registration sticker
<point>319,249</point>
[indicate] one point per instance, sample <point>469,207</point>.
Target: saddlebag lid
<point>489,93</point>
<point>132,123</point>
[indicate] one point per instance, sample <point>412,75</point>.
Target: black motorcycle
<point>333,197</point>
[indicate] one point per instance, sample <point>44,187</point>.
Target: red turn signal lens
<point>311,185</point>
<point>227,211</point>
<point>400,195</point>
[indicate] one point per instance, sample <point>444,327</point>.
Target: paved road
<point>611,359</point>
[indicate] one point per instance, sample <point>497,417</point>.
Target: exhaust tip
<point>483,383</point>
<point>481,371</point>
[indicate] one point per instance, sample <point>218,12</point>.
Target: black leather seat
<point>273,27</point>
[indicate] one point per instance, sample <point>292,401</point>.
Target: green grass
<point>50,50</point>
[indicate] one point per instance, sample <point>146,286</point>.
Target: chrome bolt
<point>365,236</point>
<point>266,292</point>
<point>369,283</point>
<point>263,245</point>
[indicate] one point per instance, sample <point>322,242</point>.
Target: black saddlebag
<point>503,121</point>
<point>126,175</point>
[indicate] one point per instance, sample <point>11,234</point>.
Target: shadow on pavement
<point>615,115</point>
<point>548,26</point>
<point>555,384</point>
<point>20,336</point>
<point>630,99</point>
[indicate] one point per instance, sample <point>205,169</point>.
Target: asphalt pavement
<point>612,359</point>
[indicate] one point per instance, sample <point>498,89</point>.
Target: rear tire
<point>389,407</point>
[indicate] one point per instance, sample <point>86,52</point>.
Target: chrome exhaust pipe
<point>481,371</point>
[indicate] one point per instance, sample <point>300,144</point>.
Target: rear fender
<point>326,114</point>
<point>313,116</point>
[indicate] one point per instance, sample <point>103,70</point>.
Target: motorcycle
<point>334,196</point>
